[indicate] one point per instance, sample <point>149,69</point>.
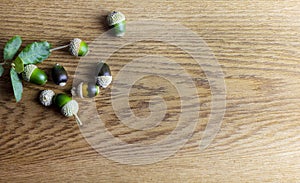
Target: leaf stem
<point>60,47</point>
<point>3,63</point>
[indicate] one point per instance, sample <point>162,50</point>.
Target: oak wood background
<point>257,45</point>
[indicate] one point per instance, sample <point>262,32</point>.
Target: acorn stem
<point>59,48</point>
<point>78,120</point>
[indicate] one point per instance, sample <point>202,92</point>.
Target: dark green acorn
<point>34,75</point>
<point>116,21</point>
<point>86,90</point>
<point>77,47</point>
<point>103,73</point>
<point>59,75</point>
<point>67,106</point>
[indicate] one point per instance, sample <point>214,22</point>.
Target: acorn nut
<point>116,21</point>
<point>59,75</point>
<point>77,47</point>
<point>103,73</point>
<point>67,106</point>
<point>34,75</point>
<point>46,97</point>
<point>86,90</point>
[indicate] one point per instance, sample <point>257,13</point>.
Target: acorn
<point>46,97</point>
<point>86,90</point>
<point>77,47</point>
<point>67,106</point>
<point>35,75</point>
<point>59,75</point>
<point>103,73</point>
<point>116,21</point>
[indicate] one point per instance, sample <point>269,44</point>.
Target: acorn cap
<point>77,91</point>
<point>69,109</point>
<point>75,46</point>
<point>103,81</point>
<point>115,17</point>
<point>46,97</point>
<point>28,70</point>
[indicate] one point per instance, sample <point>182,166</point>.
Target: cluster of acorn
<point>33,74</point>
<point>65,103</point>
<point>77,47</point>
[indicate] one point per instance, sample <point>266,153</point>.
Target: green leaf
<point>16,84</point>
<point>12,47</point>
<point>1,70</point>
<point>35,53</point>
<point>18,65</point>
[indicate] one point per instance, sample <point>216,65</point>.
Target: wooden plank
<point>257,46</point>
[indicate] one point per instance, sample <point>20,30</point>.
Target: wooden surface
<point>257,46</point>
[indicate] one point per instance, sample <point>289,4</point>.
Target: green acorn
<point>77,48</point>
<point>86,90</point>
<point>67,106</point>
<point>103,73</point>
<point>116,20</point>
<point>34,75</point>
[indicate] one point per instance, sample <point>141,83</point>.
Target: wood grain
<point>257,46</point>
